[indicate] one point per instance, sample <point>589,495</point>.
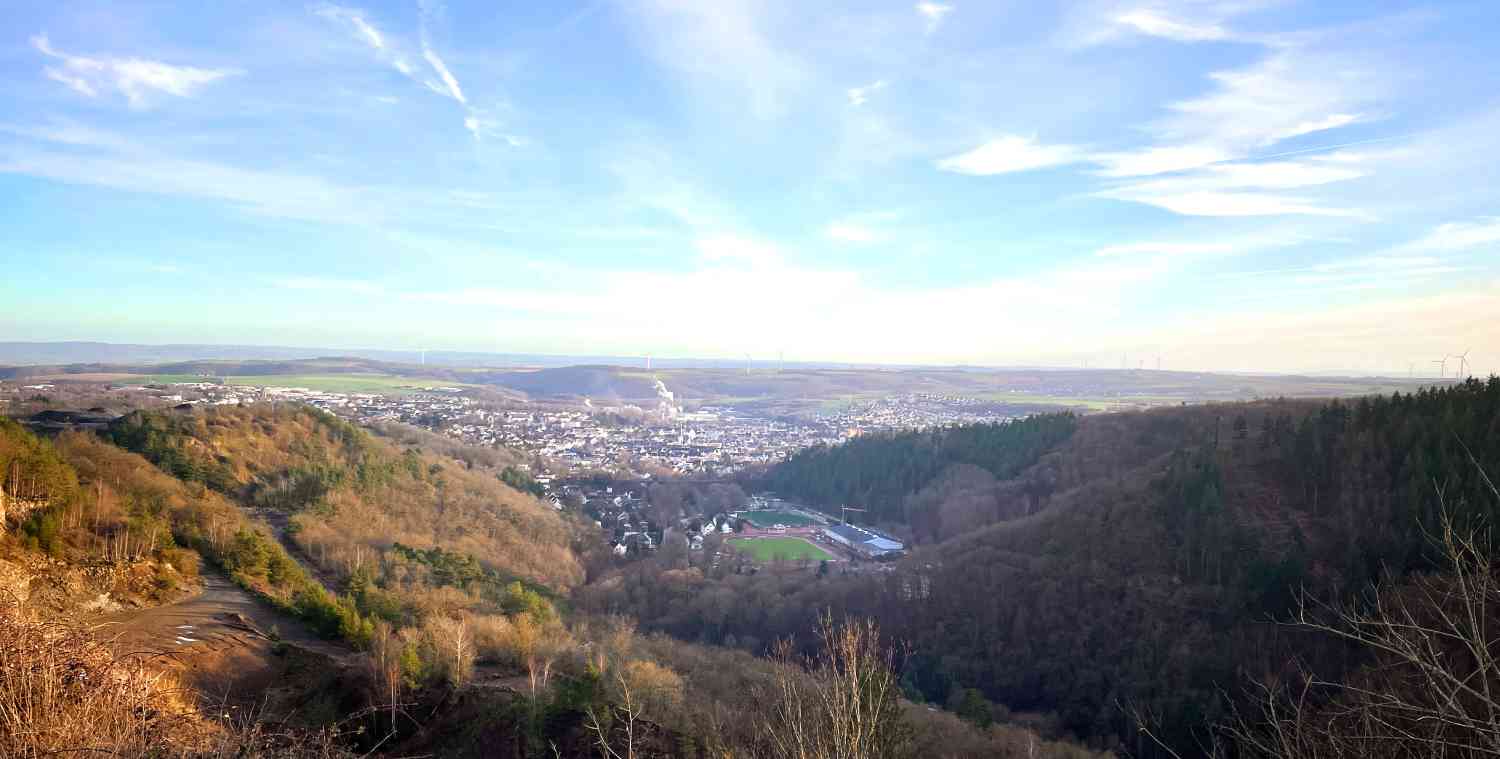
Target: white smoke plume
<point>667,404</point>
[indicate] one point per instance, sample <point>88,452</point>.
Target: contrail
<point>1322,148</point>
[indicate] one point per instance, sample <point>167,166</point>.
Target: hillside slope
<point>347,496</point>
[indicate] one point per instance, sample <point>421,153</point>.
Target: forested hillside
<point>1139,564</point>
<point>347,496</point>
<point>881,472</point>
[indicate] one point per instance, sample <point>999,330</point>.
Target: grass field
<point>767,549</point>
<point>768,518</point>
<point>334,383</point>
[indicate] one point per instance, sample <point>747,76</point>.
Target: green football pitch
<point>765,519</point>
<point>768,549</point>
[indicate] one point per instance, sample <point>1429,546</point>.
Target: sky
<point>1229,185</point>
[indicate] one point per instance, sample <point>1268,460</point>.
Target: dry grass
<point>62,692</point>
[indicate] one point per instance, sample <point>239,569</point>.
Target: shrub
<point>186,562</point>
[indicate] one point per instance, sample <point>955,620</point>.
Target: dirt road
<point>221,617</point>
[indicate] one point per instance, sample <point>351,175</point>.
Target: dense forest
<point>881,472</point>
<point>1139,566</point>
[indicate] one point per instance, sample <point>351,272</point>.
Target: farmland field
<point>767,549</point>
<point>334,383</point>
<point>765,519</point>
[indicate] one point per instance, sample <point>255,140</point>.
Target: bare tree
<point>1432,688</point>
<point>626,711</point>
<point>844,703</point>
<point>451,637</point>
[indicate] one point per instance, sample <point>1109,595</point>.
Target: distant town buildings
<point>711,440</point>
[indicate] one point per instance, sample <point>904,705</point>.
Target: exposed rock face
<point>17,509</point>
<point>40,583</point>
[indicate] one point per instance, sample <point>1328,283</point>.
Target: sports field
<point>765,519</point>
<point>768,549</point>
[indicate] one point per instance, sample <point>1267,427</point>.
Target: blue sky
<point>1225,185</point>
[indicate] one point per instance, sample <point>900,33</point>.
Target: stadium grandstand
<point>863,541</point>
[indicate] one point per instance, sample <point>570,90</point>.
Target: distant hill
<point>87,352</point>
<point>772,389</point>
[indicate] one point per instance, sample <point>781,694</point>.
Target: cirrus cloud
<point>135,78</point>
<point>1010,153</point>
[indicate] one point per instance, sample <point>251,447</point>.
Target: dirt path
<point>280,523</point>
<point>221,617</point>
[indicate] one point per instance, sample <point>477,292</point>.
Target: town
<point>578,438</point>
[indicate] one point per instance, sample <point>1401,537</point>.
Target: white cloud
<point>1149,22</point>
<point>1277,175</point>
<point>76,83</point>
<point>860,95</point>
<point>1157,160</point>
<point>1008,154</point>
<point>1098,22</point>
<point>1456,236</point>
<point>1332,121</point>
<point>356,21</point>
<point>135,78</point>
<point>1239,189</point>
<point>1291,93</point>
<point>1204,203</point>
<point>450,83</point>
<point>934,13</point>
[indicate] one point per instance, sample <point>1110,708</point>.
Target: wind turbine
<point>1442,368</point>
<point>1463,363</point>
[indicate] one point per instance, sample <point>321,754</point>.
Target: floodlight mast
<point>844,513</point>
